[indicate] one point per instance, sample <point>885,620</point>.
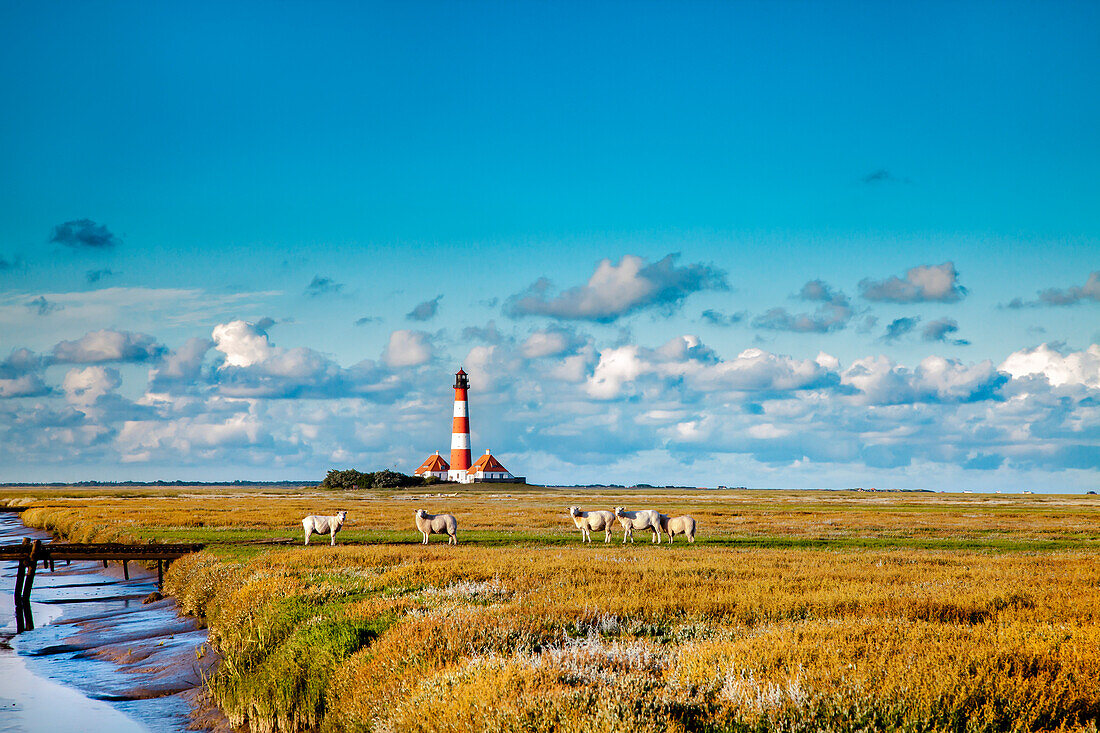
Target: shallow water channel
<point>98,660</point>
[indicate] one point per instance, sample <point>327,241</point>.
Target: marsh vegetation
<point>793,611</point>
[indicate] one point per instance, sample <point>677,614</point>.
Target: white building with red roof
<point>489,468</point>
<point>435,466</point>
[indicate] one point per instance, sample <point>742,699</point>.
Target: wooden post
<point>19,585</point>
<point>28,583</point>
<point>126,569</point>
<point>20,618</point>
<point>20,625</point>
<point>104,564</point>
<point>28,617</point>
<point>160,574</point>
<point>52,568</point>
<point>32,566</point>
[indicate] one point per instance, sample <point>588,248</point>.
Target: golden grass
<point>731,514</point>
<point>540,635</point>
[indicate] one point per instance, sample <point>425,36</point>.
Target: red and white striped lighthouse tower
<point>460,431</point>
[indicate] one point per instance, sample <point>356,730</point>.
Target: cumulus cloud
<point>84,234</point>
<point>618,289</point>
<point>24,385</point>
<point>759,371</point>
<point>94,276</point>
<point>243,343</point>
<point>323,286</point>
<point>181,369</point>
<point>940,330</point>
<point>407,349</point>
<point>19,375</point>
<point>42,307</point>
<point>833,313</point>
<point>686,361</point>
<point>365,320</point>
<point>1073,368</point>
<point>923,284</point>
<point>899,327</point>
<point>106,346</point>
<point>237,399</point>
<point>85,386</point>
<point>425,311</point>
<point>254,367</point>
<point>879,381</point>
<point>615,368</point>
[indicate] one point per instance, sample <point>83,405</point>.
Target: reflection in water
<point>125,660</point>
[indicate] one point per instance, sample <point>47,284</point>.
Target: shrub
<point>350,479</point>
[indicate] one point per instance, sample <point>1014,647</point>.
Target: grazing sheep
<point>684,525</point>
<point>437,524</point>
<point>588,521</point>
<point>642,519</point>
<point>314,524</point>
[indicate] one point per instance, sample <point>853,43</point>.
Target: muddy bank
<point>98,658</point>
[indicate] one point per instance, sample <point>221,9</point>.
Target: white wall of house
<point>491,474</point>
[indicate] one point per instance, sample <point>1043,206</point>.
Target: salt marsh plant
<point>964,617</point>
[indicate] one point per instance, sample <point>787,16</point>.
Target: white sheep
<point>684,525</point>
<point>642,519</point>
<point>437,524</point>
<point>588,521</point>
<point>314,524</point>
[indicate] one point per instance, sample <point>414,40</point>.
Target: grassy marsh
<point>793,611</point>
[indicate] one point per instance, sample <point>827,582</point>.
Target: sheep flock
<point>658,524</point>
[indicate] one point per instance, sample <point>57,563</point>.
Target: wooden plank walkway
<point>28,554</point>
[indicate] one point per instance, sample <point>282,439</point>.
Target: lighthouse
<point>486,469</point>
<point>460,431</point>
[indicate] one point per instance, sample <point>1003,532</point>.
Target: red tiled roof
<point>435,463</point>
<point>487,464</point>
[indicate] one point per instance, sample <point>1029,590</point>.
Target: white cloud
<point>758,370</point>
<point>689,411</point>
<point>85,386</point>
<point>1077,367</point>
<point>102,346</point>
<point>407,349</point>
<point>922,284</point>
<point>20,375</point>
<point>243,343</point>
<point>616,367</point>
<point>880,381</point>
<point>25,385</point>
<point>618,289</point>
<point>142,440</point>
<point>548,342</point>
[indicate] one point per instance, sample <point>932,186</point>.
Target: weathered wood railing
<point>30,554</point>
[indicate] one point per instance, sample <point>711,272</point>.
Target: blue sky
<point>877,184</point>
